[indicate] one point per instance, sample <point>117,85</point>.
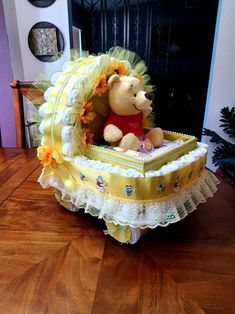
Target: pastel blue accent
<point>212,69</point>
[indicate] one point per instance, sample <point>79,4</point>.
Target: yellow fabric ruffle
<point>118,232</point>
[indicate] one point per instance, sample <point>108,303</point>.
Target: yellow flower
<point>101,85</point>
<point>118,68</point>
<point>87,137</point>
<point>49,156</point>
<point>87,115</point>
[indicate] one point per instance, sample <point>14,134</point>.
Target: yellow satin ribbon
<point>118,232</point>
<point>144,188</point>
<point>122,233</point>
<point>62,173</point>
<point>131,189</point>
<point>58,101</point>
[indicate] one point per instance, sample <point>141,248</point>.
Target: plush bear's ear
<point>114,78</point>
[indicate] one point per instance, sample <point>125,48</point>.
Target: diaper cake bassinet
<point>131,191</point>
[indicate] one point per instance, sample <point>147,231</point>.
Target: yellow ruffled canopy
<point>77,102</point>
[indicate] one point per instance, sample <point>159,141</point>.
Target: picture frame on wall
<point>46,41</point>
<point>41,3</point>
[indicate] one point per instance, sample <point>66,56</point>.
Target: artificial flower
<point>101,85</point>
<point>87,137</point>
<point>49,156</point>
<point>118,68</point>
<point>87,115</point>
<point>145,123</point>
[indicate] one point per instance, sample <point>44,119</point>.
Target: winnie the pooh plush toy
<point>129,104</point>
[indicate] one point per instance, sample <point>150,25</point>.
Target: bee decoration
<point>129,190</point>
<point>82,177</point>
<point>176,187</point>
<point>100,184</point>
<point>161,187</point>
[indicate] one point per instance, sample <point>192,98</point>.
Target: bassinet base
<point>129,230</point>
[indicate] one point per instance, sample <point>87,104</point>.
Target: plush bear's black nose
<point>149,96</point>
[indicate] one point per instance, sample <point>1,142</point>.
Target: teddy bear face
<point>127,95</point>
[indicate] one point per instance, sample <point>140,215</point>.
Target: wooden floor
<point>54,261</point>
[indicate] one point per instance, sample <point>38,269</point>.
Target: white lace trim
<point>139,214</point>
<point>179,163</point>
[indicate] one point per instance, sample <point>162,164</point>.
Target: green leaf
<point>228,121</point>
<point>215,138</point>
<point>223,152</point>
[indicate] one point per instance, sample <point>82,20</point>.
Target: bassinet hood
<point>77,103</point>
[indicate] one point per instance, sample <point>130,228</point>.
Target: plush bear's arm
<point>112,133</point>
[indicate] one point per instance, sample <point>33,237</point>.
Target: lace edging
<point>138,214</point>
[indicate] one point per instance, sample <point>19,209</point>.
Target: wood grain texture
<point>55,261</point>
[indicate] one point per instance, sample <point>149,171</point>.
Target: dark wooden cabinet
<point>175,39</point>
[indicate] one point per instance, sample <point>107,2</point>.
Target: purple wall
<point>7,119</point>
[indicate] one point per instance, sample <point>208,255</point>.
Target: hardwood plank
<point>43,215</point>
<point>67,279</point>
<point>16,257</point>
<point>28,293</point>
<point>208,257</point>
<point>28,236</point>
<point>117,287</point>
<point>8,187</point>
<point>6,161</point>
<point>7,154</point>
<point>206,288</point>
<point>209,294</point>
<point>192,307</point>
<point>227,191</point>
<point>158,292</point>
<point>13,167</point>
<point>56,261</point>
<point>73,290</point>
<point>33,178</point>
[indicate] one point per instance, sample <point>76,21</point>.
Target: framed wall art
<point>42,3</point>
<point>46,41</point>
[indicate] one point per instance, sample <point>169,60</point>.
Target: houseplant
<point>224,153</point>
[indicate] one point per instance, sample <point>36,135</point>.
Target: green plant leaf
<point>215,138</point>
<point>223,152</point>
<point>228,121</point>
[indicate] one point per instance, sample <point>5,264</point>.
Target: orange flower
<point>87,137</point>
<point>101,85</point>
<point>145,123</point>
<point>87,115</point>
<point>118,68</point>
<point>49,156</point>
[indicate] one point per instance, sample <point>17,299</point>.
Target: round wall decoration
<point>42,3</point>
<point>46,42</point>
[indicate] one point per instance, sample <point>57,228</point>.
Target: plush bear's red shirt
<point>127,124</point>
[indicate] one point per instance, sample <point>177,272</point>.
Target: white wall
<point>18,29</point>
<point>13,39</point>
<point>221,89</point>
